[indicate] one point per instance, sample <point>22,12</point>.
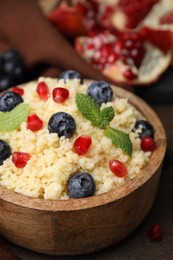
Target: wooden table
<point>137,245</point>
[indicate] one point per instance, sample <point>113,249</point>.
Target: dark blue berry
<point>9,100</point>
<point>10,55</point>
<point>5,151</point>
<point>63,124</point>
<point>100,91</point>
<point>5,82</point>
<point>81,185</point>
<point>146,128</point>
<point>11,67</point>
<point>70,74</point>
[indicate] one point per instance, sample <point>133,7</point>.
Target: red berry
<point>18,90</point>
<point>118,168</point>
<point>20,159</point>
<point>155,233</point>
<point>148,144</point>
<point>34,123</point>
<point>43,90</point>
<point>82,144</point>
<point>129,74</point>
<point>60,94</point>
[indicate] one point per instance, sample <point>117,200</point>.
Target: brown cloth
<point>24,27</point>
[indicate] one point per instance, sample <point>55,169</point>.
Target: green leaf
<point>88,108</point>
<point>106,116</point>
<point>91,111</point>
<point>12,120</point>
<point>120,139</point>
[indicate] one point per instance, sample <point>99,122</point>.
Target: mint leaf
<point>101,118</point>
<point>120,139</point>
<point>106,116</point>
<point>12,120</point>
<point>88,108</point>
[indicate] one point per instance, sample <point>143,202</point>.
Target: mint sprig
<point>102,118</point>
<point>12,120</point>
<point>88,108</point>
<point>91,111</point>
<point>120,139</point>
<point>105,117</point>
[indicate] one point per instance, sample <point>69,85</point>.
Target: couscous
<point>52,159</point>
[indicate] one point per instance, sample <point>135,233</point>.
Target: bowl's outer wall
<point>79,231</point>
<point>82,226</point>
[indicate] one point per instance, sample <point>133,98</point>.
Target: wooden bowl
<point>79,226</point>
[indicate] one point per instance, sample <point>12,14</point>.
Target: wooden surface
<point>136,246</point>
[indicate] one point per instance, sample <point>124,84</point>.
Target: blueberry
<point>5,151</point>
<point>9,100</point>
<point>81,185</point>
<point>70,74</point>
<point>100,91</point>
<point>63,124</point>
<point>146,128</point>
<point>5,82</point>
<point>12,65</point>
<point>11,55</point>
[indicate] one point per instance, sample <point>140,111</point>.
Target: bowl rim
<point>108,197</point>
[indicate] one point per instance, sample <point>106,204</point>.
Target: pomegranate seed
<point>153,36</point>
<point>82,9</point>
<point>89,46</point>
<point>135,10</point>
<point>78,45</point>
<point>118,46</point>
<point>167,18</point>
<point>18,90</point>
<point>93,5</point>
<point>106,17</point>
<point>20,159</point>
<point>129,44</point>
<point>134,53</point>
<point>133,36</point>
<point>148,144</point>
<point>34,123</point>
<point>82,144</point>
<point>105,55</point>
<point>155,233</point>
<point>144,32</point>
<point>118,168</point>
<point>60,94</point>
<point>124,59</point>
<point>42,90</point>
<point>129,74</point>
